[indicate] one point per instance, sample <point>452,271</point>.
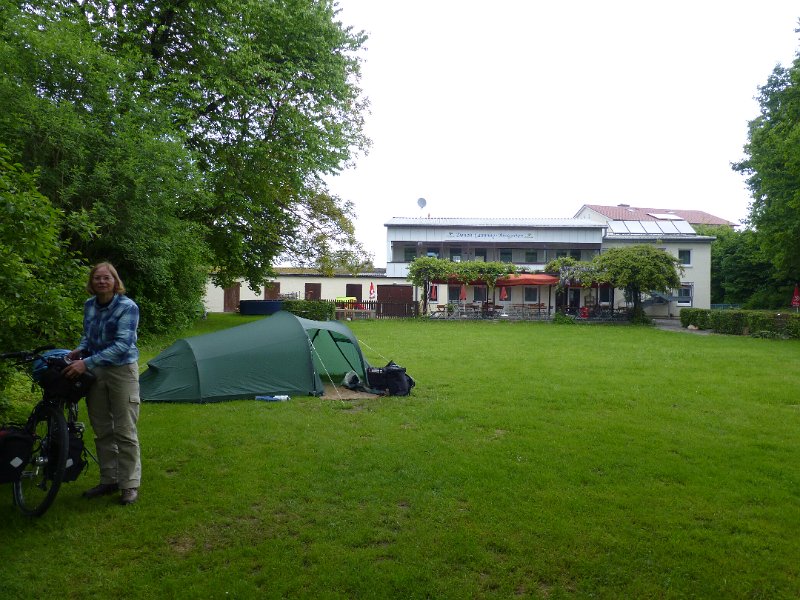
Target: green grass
<point>532,460</point>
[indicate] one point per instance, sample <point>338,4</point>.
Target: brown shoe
<point>104,489</point>
<point>128,496</point>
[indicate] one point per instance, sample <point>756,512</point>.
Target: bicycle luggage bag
<point>47,372</point>
<point>76,456</point>
<point>16,446</point>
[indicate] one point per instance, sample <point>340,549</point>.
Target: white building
<point>526,243</point>
<point>532,243</point>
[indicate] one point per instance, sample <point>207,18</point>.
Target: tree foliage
<point>772,167</point>
<point>573,272</point>
<point>742,272</point>
<point>41,281</point>
<point>637,269</point>
<point>426,269</point>
<point>194,137</point>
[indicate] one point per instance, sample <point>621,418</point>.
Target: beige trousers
<point>113,406</point>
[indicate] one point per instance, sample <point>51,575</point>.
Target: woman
<point>108,349</point>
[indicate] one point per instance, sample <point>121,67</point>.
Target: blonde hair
<point>119,287</point>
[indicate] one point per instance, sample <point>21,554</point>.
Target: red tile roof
<point>624,212</point>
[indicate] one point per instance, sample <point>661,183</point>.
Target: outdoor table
<point>439,312</point>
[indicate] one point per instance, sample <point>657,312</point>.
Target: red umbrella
<point>463,294</point>
<point>433,295</point>
<point>796,297</point>
<point>503,294</point>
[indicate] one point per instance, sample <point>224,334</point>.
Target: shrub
<point>563,319</point>
<point>318,310</point>
<point>733,322</point>
<point>743,322</point>
<point>793,325</point>
<point>695,316</point>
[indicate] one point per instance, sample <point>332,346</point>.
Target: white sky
<point>532,109</point>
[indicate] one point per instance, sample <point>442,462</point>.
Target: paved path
<point>675,325</point>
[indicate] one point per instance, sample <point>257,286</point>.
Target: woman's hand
<point>74,369</point>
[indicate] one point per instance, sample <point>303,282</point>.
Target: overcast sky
<point>532,109</point>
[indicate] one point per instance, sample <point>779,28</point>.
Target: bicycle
<point>56,453</point>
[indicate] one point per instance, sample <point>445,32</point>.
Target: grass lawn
<point>532,460</point>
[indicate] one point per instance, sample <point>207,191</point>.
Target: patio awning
<point>528,279</point>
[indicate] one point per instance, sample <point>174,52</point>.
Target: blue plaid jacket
<point>109,332</point>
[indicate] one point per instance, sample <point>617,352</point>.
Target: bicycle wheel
<point>41,478</point>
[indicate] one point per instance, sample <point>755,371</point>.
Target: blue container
<point>259,307</point>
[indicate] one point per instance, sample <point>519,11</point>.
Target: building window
<point>453,292</point>
<point>479,293</point>
<point>432,253</point>
<point>409,253</point>
<point>576,254</point>
<point>685,294</point>
<point>604,295</point>
<point>480,254</point>
<point>531,294</point>
<point>506,255</point>
<point>685,257</point>
<point>532,256</point>
<point>455,254</point>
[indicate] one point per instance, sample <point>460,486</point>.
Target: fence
<point>374,309</point>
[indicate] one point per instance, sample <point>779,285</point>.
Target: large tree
<point>772,166</point>
<point>742,272</point>
<point>638,269</point>
<point>193,135</point>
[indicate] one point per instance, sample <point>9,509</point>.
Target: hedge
<point>317,310</point>
<point>744,322</point>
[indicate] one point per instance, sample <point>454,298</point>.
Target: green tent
<point>281,354</point>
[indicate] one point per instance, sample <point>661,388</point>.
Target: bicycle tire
<point>41,478</point>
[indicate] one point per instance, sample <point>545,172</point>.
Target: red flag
<point>796,297</point>
<point>503,294</point>
<point>371,291</point>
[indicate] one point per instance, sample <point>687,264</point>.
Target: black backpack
<point>391,379</point>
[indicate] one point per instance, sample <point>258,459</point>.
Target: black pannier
<point>76,456</point>
<point>391,379</point>
<point>16,446</point>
